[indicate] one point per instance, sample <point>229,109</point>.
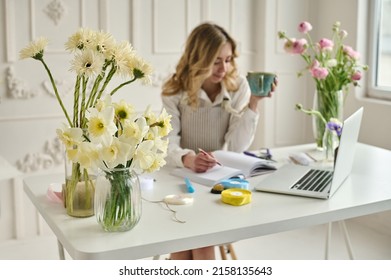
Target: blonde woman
<point>211,106</point>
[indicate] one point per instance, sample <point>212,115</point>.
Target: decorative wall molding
<point>49,158</point>
<point>64,87</point>
<point>17,88</point>
<point>55,10</point>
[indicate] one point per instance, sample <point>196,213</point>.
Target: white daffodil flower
<point>101,126</point>
<point>157,163</point>
<point>150,116</point>
<point>164,121</point>
<point>134,132</point>
<point>116,153</point>
<point>159,144</point>
<point>86,154</point>
<point>144,155</point>
<point>101,104</point>
<point>89,156</point>
<point>70,136</point>
<point>124,111</point>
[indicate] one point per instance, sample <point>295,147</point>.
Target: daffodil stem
<point>56,92</point>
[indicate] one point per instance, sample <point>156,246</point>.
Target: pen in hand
<point>205,153</point>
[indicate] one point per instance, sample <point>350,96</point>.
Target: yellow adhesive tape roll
<point>236,197</point>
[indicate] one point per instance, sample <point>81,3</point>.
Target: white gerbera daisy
<point>35,49</point>
<point>121,54</point>
<point>105,43</point>
<point>83,39</point>
<point>88,63</point>
<point>141,69</point>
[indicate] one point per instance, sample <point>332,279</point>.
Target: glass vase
<point>330,144</point>
<point>118,199</point>
<point>79,190</point>
<point>330,105</point>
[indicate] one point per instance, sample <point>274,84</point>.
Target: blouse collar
<point>219,98</point>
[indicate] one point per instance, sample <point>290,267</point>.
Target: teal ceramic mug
<point>260,82</point>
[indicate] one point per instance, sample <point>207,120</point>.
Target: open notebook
<point>233,165</point>
<point>306,181</point>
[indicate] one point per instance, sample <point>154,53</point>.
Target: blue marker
<point>189,186</point>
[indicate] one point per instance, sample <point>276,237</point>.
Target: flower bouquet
<point>333,66</point>
<point>122,145</point>
<point>98,132</point>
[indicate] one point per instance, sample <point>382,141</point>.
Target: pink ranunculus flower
<point>314,64</point>
<point>356,76</point>
<point>295,46</point>
<point>304,27</point>
<point>331,63</point>
<point>288,45</point>
<point>351,52</point>
<point>319,73</point>
<point>300,46</point>
<point>326,44</point>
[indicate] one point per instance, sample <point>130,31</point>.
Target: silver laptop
<point>298,180</point>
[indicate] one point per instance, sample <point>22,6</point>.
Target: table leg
<point>61,253</point>
<point>328,240</point>
<point>346,238</point>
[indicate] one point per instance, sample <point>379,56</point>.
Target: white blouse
<point>210,126</point>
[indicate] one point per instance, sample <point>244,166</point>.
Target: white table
<point>211,222</point>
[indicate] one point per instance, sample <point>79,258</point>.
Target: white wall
<point>29,113</point>
<point>29,116</point>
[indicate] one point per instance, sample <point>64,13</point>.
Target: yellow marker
<point>236,197</point>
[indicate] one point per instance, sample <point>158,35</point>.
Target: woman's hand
<point>200,162</point>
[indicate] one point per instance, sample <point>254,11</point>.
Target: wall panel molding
<point>9,15</point>
<point>156,48</point>
<point>55,10</point>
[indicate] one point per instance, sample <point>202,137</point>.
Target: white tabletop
<point>211,222</point>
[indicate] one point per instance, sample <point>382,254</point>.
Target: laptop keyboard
<point>314,180</point>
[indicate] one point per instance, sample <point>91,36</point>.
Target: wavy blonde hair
<point>202,49</point>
